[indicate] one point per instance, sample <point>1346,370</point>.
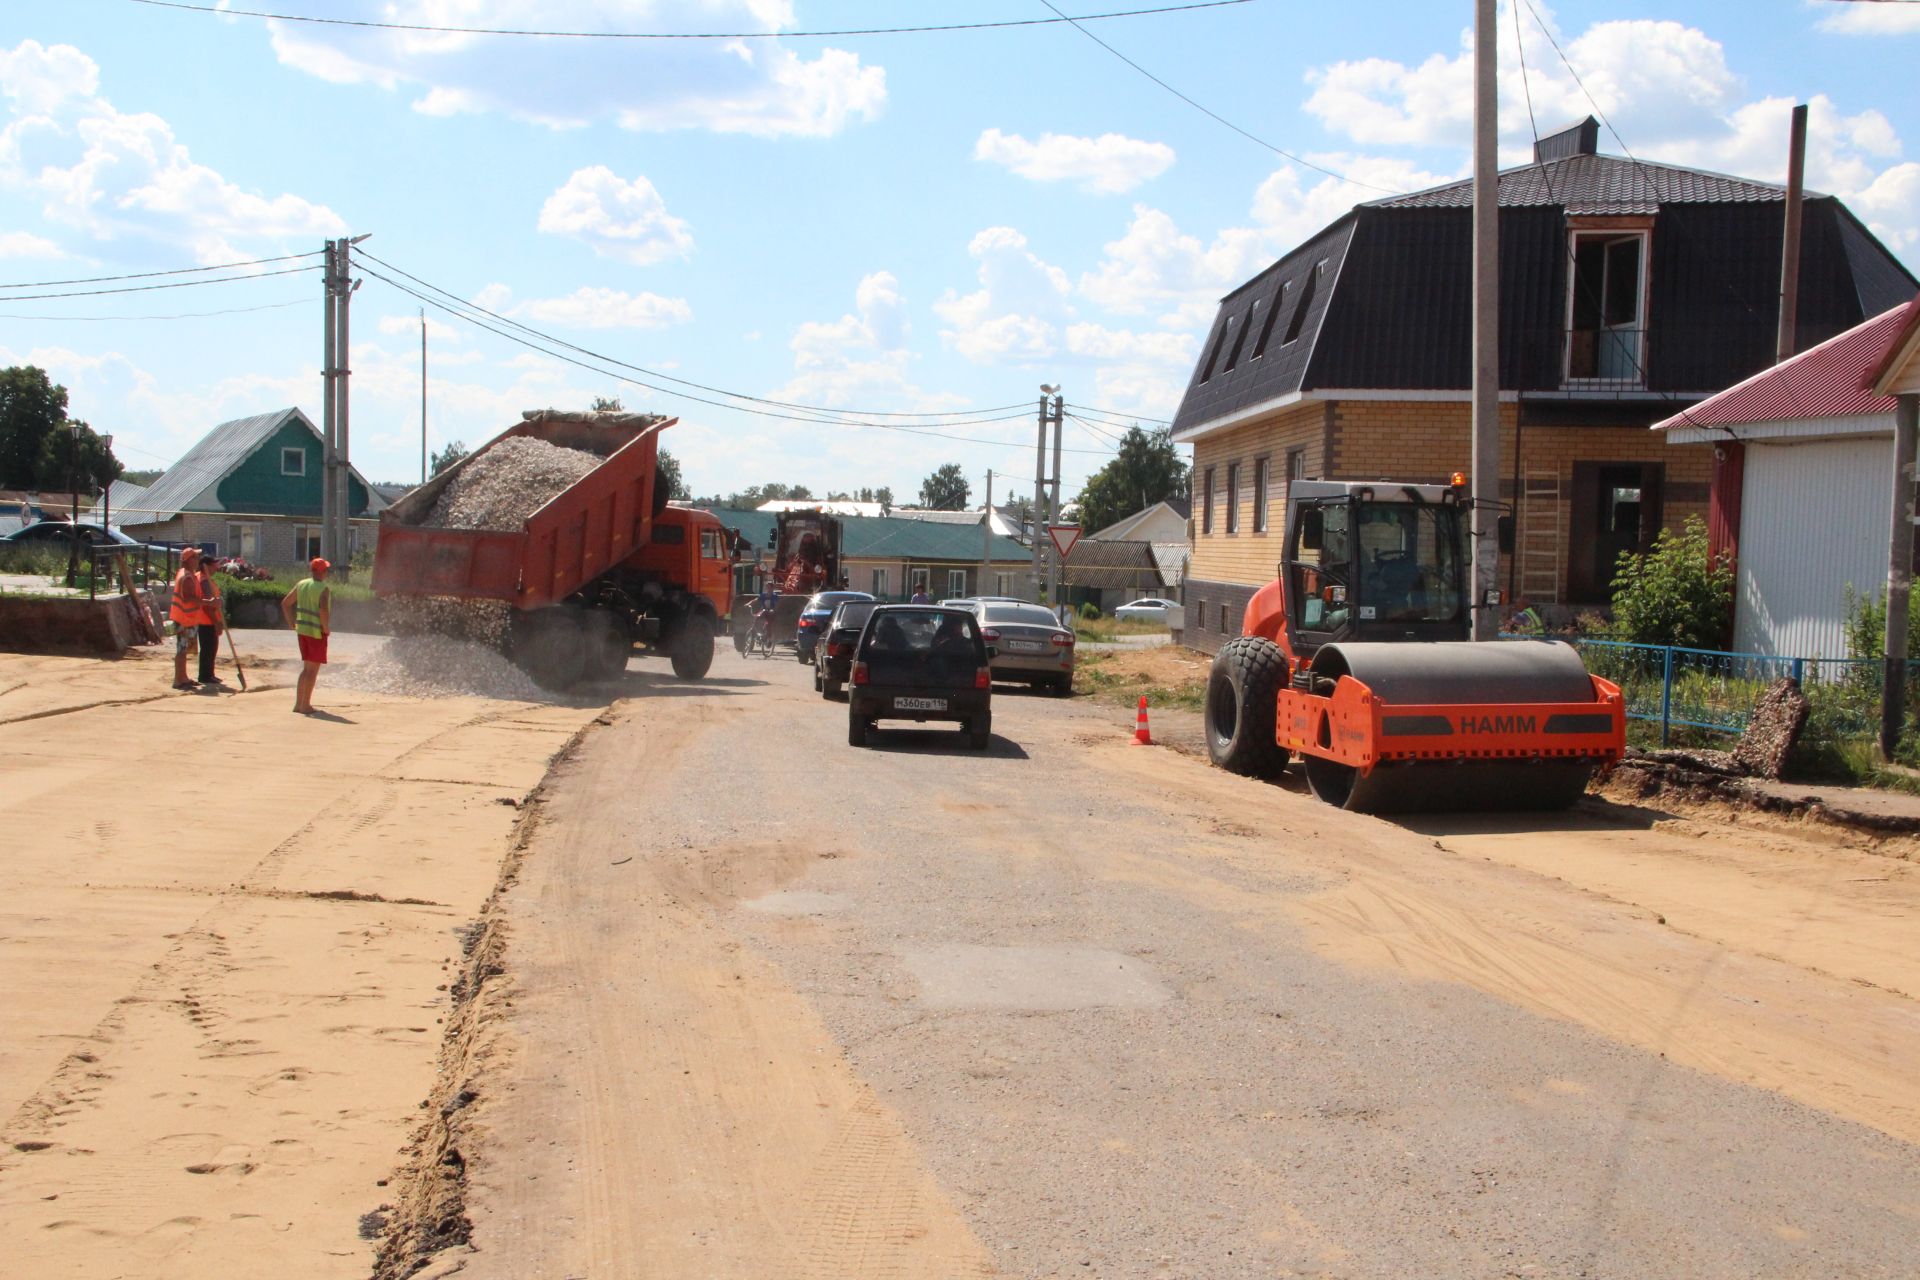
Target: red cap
<point>319,566</point>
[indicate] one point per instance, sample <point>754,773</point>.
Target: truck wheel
<point>693,647</point>
<point>608,646</point>
<point>1242,701</point>
<point>551,646</point>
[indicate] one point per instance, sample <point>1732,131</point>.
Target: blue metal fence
<point>1715,691</point>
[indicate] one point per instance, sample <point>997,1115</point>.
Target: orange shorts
<point>313,649</point>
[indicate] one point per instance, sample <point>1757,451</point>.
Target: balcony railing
<point>1605,359</point>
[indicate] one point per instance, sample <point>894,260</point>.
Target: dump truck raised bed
<point>603,565</point>
<point>1356,659</point>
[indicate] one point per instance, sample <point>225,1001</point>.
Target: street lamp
<point>106,490</point>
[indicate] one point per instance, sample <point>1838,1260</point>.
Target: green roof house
<point>249,488</point>
<point>892,556</point>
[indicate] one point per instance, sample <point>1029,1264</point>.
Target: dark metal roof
<point>1596,184</point>
<point>1830,381</point>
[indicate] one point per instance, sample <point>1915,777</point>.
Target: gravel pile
<point>481,621</point>
<point>431,666</point>
<point>500,488</point>
<point>1773,729</point>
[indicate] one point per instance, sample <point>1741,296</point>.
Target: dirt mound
<point>437,666</point>
<point>500,488</point>
<point>1772,730</point>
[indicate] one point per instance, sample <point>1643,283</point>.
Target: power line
<point>912,430</point>
<point>148,288</point>
<point>1108,416</point>
<point>1010,409</point>
<point>1208,111</point>
<point>686,35</point>
<point>148,275</point>
<point>185,315</point>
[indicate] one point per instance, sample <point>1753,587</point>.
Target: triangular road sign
<point>1064,536</point>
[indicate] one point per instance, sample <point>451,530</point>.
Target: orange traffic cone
<point>1141,736</point>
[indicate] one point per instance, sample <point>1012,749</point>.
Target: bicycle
<point>761,636</point>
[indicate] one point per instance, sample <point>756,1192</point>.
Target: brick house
<point>1628,292</point>
<point>248,488</point>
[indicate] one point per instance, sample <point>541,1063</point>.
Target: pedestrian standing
<point>189,613</point>
<point>217,610</point>
<point>308,609</point>
<point>920,596</point>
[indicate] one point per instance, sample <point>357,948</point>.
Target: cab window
<point>710,548</point>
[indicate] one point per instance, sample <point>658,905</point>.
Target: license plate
<point>919,704</point>
<point>1026,646</point>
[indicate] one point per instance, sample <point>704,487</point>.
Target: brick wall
<point>1203,602</point>
<point>1417,441</point>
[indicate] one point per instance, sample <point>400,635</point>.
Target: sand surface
<point>225,937</point>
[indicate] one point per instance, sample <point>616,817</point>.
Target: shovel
<point>235,651</point>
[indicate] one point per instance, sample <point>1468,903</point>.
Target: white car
<point>1149,610</point>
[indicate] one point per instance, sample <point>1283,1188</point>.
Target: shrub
<point>1089,610</point>
<point>1867,625</point>
<point>1675,593</point>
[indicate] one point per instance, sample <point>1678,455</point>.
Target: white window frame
<point>880,583</point>
<point>1637,377</point>
<point>956,583</point>
<point>306,542</point>
<point>1262,481</point>
<point>918,580</point>
<point>1003,584</point>
<point>239,533</point>
<point>1233,498</point>
<point>295,452</point>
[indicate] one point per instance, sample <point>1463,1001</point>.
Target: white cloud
<point>619,219</point>
<point>1891,205</point>
<point>1109,164</point>
<point>590,307</point>
<point>754,86</point>
<point>437,331</point>
<point>861,359</point>
<point>1126,345</point>
<point>22,244</point>
<point>112,174</point>
<point>1888,19</point>
<point>1015,313</point>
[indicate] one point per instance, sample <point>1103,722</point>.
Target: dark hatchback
<point>921,663</point>
<point>833,651</point>
<point>814,618</point>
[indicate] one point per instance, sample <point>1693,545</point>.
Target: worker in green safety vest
<point>308,609</point>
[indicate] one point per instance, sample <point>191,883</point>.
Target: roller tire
<point>1242,700</point>
<point>693,647</point>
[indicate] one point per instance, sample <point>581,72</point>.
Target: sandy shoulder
<point>224,999</point>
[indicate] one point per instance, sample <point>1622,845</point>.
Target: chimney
<point>1582,139</point>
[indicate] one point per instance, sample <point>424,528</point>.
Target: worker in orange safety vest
<point>196,617</point>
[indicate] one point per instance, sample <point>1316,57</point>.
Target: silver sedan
<point>1028,645</point>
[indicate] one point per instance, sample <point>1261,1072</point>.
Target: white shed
<point>1802,485</point>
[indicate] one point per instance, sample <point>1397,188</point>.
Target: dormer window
<point>1607,305</point>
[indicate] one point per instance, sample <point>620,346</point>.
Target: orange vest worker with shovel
<point>308,609</point>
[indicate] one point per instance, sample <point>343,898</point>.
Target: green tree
<point>669,469</point>
<point>76,456</point>
<point>608,404</point>
<point>944,490</point>
<point>444,458</point>
<point>1149,469</point>
<point>1674,593</point>
<point>32,408</point>
<point>884,496</point>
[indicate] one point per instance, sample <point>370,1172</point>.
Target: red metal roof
<point>1827,381</point>
<point>1884,366</point>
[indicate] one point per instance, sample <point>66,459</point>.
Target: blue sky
<point>905,224</point>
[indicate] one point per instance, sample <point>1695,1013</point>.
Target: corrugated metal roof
<point>1596,184</point>
<point>188,484</point>
<point>886,537</point>
<point>1827,381</point>
<point>1111,563</point>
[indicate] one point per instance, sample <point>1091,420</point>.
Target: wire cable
<point>148,288</point>
<point>685,35</point>
<point>185,315</point>
<point>1109,416</point>
<point>1212,114</point>
<point>1012,409</point>
<point>148,275</point>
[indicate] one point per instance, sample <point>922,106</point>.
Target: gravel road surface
<point>779,1007</point>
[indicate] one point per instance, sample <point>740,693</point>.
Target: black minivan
<point>921,663</point>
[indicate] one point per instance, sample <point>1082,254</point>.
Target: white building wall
<point>1813,518</point>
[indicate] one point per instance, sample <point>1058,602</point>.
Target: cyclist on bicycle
<point>763,606</point>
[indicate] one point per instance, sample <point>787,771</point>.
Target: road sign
<point>1064,536</point>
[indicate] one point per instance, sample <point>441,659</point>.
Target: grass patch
<point>1101,676</point>
<point>1103,630</point>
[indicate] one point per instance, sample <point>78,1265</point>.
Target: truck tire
<point>693,646</point>
<point>608,644</point>
<point>551,646</point>
<point>1242,699</point>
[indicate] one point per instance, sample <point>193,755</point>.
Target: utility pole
<point>1053,512</point>
<point>330,467</point>
<point>343,453</point>
<point>1893,700</point>
<point>1790,243</point>
<point>986,538</point>
<point>423,395</point>
<point>1486,326</point>
<point>1039,487</point>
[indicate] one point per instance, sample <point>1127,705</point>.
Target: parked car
<point>833,651</point>
<point>1029,645</point>
<point>814,618</point>
<point>1149,610</point>
<point>921,663</point>
<point>60,534</point>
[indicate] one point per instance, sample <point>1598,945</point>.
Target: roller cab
<point>1356,659</point>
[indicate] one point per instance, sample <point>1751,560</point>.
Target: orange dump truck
<point>1356,659</point>
<point>606,564</point>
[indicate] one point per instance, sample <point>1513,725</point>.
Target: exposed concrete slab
<point>1036,978</point>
